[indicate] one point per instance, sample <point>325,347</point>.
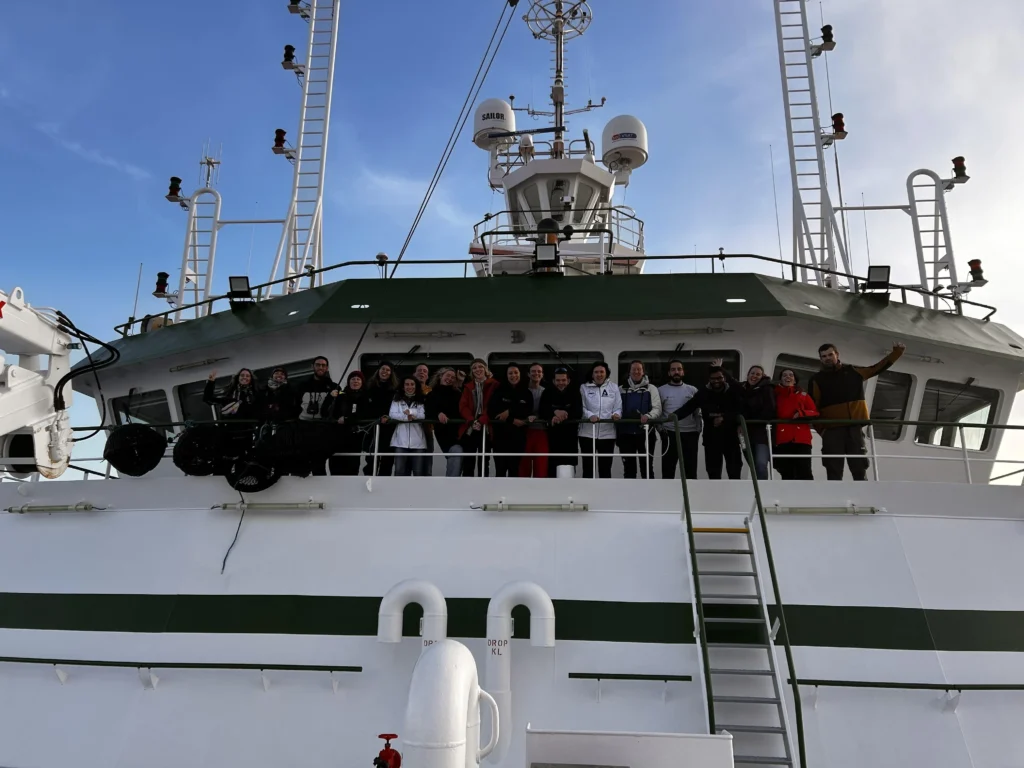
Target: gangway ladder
<point>927,195</point>
<point>817,237</point>
<point>301,243</point>
<point>746,685</point>
<point>196,282</point>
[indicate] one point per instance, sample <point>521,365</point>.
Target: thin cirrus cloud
<point>402,195</point>
<point>92,155</point>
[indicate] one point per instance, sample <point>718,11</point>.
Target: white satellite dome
<point>624,143</point>
<point>492,116</point>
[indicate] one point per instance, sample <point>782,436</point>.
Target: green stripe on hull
<point>912,629</point>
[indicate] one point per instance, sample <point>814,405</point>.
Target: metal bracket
<point>775,629</point>
<point>950,701</point>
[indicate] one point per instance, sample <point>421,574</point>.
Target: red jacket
<point>792,403</point>
<point>466,409</point>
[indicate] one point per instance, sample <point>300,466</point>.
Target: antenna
<point>209,165</point>
<point>559,21</point>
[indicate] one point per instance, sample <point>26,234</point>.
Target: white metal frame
<point>817,237</point>
<point>301,244</point>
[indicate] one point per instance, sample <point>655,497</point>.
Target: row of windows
<point>943,401</point>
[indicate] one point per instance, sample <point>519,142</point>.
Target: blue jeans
<point>453,461</point>
<point>410,461</point>
<point>761,456</point>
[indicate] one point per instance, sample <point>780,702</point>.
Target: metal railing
<point>972,460</point>
<point>620,222</point>
<point>854,282</point>
<point>777,594</point>
<point>963,454</point>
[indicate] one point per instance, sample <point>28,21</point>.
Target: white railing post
<point>874,452</point>
<point>963,448</point>
<point>770,457</point>
<point>593,450</point>
<point>483,450</point>
<point>376,446</point>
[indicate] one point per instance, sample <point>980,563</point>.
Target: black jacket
<point>280,403</point>
<point>311,395</point>
<point>350,404</point>
<point>518,401</point>
<point>249,399</point>
<point>378,402</point>
<point>564,434</point>
<point>726,402</point>
<point>442,399</point>
<point>758,405</point>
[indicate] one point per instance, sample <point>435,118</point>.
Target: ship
<point>240,613</point>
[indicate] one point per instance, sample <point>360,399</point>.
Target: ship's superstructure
<point>163,615</point>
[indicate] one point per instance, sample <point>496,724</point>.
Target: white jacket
<point>407,435</point>
<point>603,402</point>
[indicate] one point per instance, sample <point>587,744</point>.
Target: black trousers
<point>561,441</point>
<point>474,466</point>
<point>508,440</point>
<point>848,441</point>
<point>670,456</point>
<point>630,446</point>
<point>793,461</point>
<point>605,450</point>
<point>719,444</point>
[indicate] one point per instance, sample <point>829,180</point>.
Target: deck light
<point>736,301</point>
<point>239,292</point>
<point>878,278</point>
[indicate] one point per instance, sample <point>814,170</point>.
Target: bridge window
<point>190,396</point>
<point>951,403</point>
<point>696,363</point>
<point>405,363</point>
<point>143,408</point>
<point>892,395</point>
<point>578,363</point>
<point>804,367</point>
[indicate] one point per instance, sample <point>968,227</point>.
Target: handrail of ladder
<point>784,630</point>
<point>702,638</point>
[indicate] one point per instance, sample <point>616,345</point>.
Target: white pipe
<point>442,717</point>
<point>427,596</point>
<point>499,633</point>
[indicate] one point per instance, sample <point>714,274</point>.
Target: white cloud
<point>52,130</point>
<point>401,196</point>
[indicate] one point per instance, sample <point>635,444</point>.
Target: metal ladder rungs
<point>724,671</point>
<point>730,620</point>
<point>722,530</point>
<point>726,596</point>
<point>750,728</point>
<point>747,699</point>
<point>746,646</point>
<point>722,551</point>
<point>726,573</point>
<point>760,760</point>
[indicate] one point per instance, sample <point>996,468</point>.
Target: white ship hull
<point>926,590</point>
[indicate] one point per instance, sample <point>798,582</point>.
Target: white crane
<point>29,415</point>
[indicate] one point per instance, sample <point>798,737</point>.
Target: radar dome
<point>493,116</point>
<point>624,143</point>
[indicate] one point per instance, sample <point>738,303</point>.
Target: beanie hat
<point>356,374</point>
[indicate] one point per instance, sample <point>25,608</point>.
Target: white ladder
<point>196,280</point>
<point>816,235</point>
<point>926,192</point>
<point>746,684</point>
<point>301,248</point>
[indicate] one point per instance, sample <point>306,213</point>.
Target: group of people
<point>532,428</point>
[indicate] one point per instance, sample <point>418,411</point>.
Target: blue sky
<point>101,102</point>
